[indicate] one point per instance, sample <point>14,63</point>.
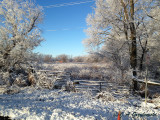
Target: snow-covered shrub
<point>44,82</point>
<point>1,80</point>
<point>19,35</point>
<point>70,86</point>
<point>12,90</point>
<point>19,77</point>
<point>88,93</point>
<point>62,58</point>
<point>21,80</point>
<point>85,71</point>
<point>105,96</point>
<point>85,74</point>
<point>78,59</point>
<point>5,78</point>
<point>157,100</point>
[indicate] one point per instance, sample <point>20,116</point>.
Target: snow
<point>43,104</point>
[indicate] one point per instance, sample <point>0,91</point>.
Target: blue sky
<point>63,26</point>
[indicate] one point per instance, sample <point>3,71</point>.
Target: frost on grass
<point>41,104</point>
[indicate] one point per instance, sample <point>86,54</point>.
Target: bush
<point>105,96</point>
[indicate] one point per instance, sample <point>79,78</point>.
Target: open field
<point>96,71</point>
<point>37,103</point>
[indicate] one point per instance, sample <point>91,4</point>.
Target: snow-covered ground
<point>43,104</point>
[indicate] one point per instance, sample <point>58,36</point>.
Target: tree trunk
<point>133,52</point>
<point>144,50</point>
<point>141,60</point>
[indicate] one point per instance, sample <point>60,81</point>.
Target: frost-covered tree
<point>122,31</point>
<point>19,32</point>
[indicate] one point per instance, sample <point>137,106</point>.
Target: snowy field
<point>42,104</point>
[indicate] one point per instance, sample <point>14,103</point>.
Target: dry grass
<point>96,71</point>
<point>84,70</point>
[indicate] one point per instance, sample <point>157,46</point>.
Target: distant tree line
<point>63,58</point>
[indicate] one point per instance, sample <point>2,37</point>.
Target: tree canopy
<point>19,32</point>
<point>124,31</point>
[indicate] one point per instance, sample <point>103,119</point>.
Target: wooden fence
<point>61,78</point>
<point>156,83</point>
<point>92,85</point>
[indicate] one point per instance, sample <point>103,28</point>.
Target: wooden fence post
<point>100,86</point>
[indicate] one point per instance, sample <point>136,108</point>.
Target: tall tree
<point>119,27</point>
<point>19,32</point>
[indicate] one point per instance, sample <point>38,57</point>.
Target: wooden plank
<point>86,86</point>
<point>50,75</point>
<point>148,82</point>
<point>87,89</point>
<point>53,73</point>
<point>90,88</point>
<point>65,76</point>
<point>89,81</point>
<point>91,84</point>
<point>62,82</point>
<point>50,71</point>
<point>58,78</point>
<point>43,70</point>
